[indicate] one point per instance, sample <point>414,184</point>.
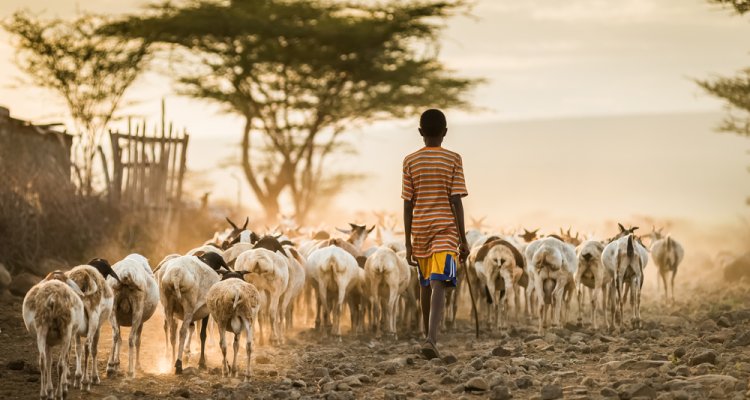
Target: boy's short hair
<point>432,122</point>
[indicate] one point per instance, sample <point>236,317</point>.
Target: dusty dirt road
<point>695,349</point>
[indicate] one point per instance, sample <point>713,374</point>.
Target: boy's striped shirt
<point>431,175</point>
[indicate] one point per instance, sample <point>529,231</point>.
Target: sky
<point>589,112</point>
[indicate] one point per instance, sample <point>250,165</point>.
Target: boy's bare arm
<point>408,215</point>
<point>458,213</point>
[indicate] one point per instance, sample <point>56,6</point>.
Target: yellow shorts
<point>440,266</point>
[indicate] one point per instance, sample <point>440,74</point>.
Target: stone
<point>524,382</point>
<point>110,397</point>
<point>320,372</point>
<point>23,282</point>
<point>633,390</point>
<point>608,392</point>
<point>500,392</point>
<point>16,365</point>
<point>679,352</point>
<point>181,392</point>
<point>5,278</point>
<point>588,381</point>
<point>742,339</point>
<point>551,392</point>
<point>724,322</point>
<point>477,363</point>
<point>299,383</point>
<point>708,356</point>
<point>477,384</point>
<point>501,352</point>
<point>449,359</point>
<point>448,380</point>
<point>262,360</point>
<point>492,364</point>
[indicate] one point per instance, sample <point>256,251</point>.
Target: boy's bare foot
<point>429,350</point>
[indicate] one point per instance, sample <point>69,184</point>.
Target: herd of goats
<point>246,282</point>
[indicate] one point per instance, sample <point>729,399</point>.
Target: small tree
<point>303,72</point>
<point>89,71</point>
<point>735,91</point>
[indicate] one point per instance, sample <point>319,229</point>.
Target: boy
<point>433,185</point>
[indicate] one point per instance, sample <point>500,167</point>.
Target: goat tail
<point>177,293</point>
<point>126,280</point>
<point>236,300</point>
<point>631,249</point>
<point>669,243</point>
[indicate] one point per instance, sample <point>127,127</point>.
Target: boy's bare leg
<point>425,297</point>
<point>437,310</point>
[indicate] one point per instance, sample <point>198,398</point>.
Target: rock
<point>181,392</point>
<point>5,278</point>
<point>262,360</point>
<point>320,372</point>
<point>449,359</point>
<point>680,395</point>
<point>708,325</point>
<point>428,387</point>
<point>679,352</point>
<point>551,392</point>
<point>726,382</point>
<point>458,389</point>
<point>708,356</point>
<point>742,339</point>
<point>110,397</point>
<point>299,383</point>
<point>500,392</point>
<point>588,381</point>
<point>563,373</point>
<point>16,365</point>
<point>524,382</point>
<point>492,364</point>
<point>476,384</point>
<point>448,380</point>
<point>477,363</point>
<point>608,392</point>
<point>634,390</point>
<point>343,387</point>
<point>501,352</point>
<point>23,282</point>
<point>724,322</point>
<point>190,371</point>
<point>390,370</point>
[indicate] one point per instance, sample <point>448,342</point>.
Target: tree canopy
<point>302,73</point>
<point>89,71</point>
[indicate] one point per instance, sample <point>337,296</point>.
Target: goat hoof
<point>178,367</point>
<point>202,365</point>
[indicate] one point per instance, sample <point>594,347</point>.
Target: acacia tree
<point>301,73</point>
<point>734,90</point>
<point>89,71</point>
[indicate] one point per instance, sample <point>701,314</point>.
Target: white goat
<point>503,268</point>
<point>552,265</point>
<point>335,270</point>
<point>667,254</point>
<point>97,300</point>
<point>592,277</point>
<point>136,298</point>
<point>184,284</point>
<point>234,305</point>
<point>386,277</point>
<point>625,258</point>
<point>53,312</point>
<point>269,272</point>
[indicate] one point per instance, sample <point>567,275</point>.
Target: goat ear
<point>622,228</point>
<point>231,223</point>
<point>244,226</point>
<point>347,231</point>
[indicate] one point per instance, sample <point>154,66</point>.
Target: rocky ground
<point>697,348</point>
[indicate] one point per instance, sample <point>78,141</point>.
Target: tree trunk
<point>267,199</point>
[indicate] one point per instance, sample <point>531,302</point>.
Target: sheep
<point>230,255</point>
<point>233,304</point>
<point>268,272</point>
<point>97,300</point>
<point>335,272</point>
<point>136,297</point>
<point>53,312</point>
<point>591,276</point>
<point>626,259</point>
<point>667,254</point>
<point>185,281</point>
<point>206,248</point>
<point>551,266</point>
<point>503,267</point>
<point>386,276</point>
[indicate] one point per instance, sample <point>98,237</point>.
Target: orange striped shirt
<point>431,176</point>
